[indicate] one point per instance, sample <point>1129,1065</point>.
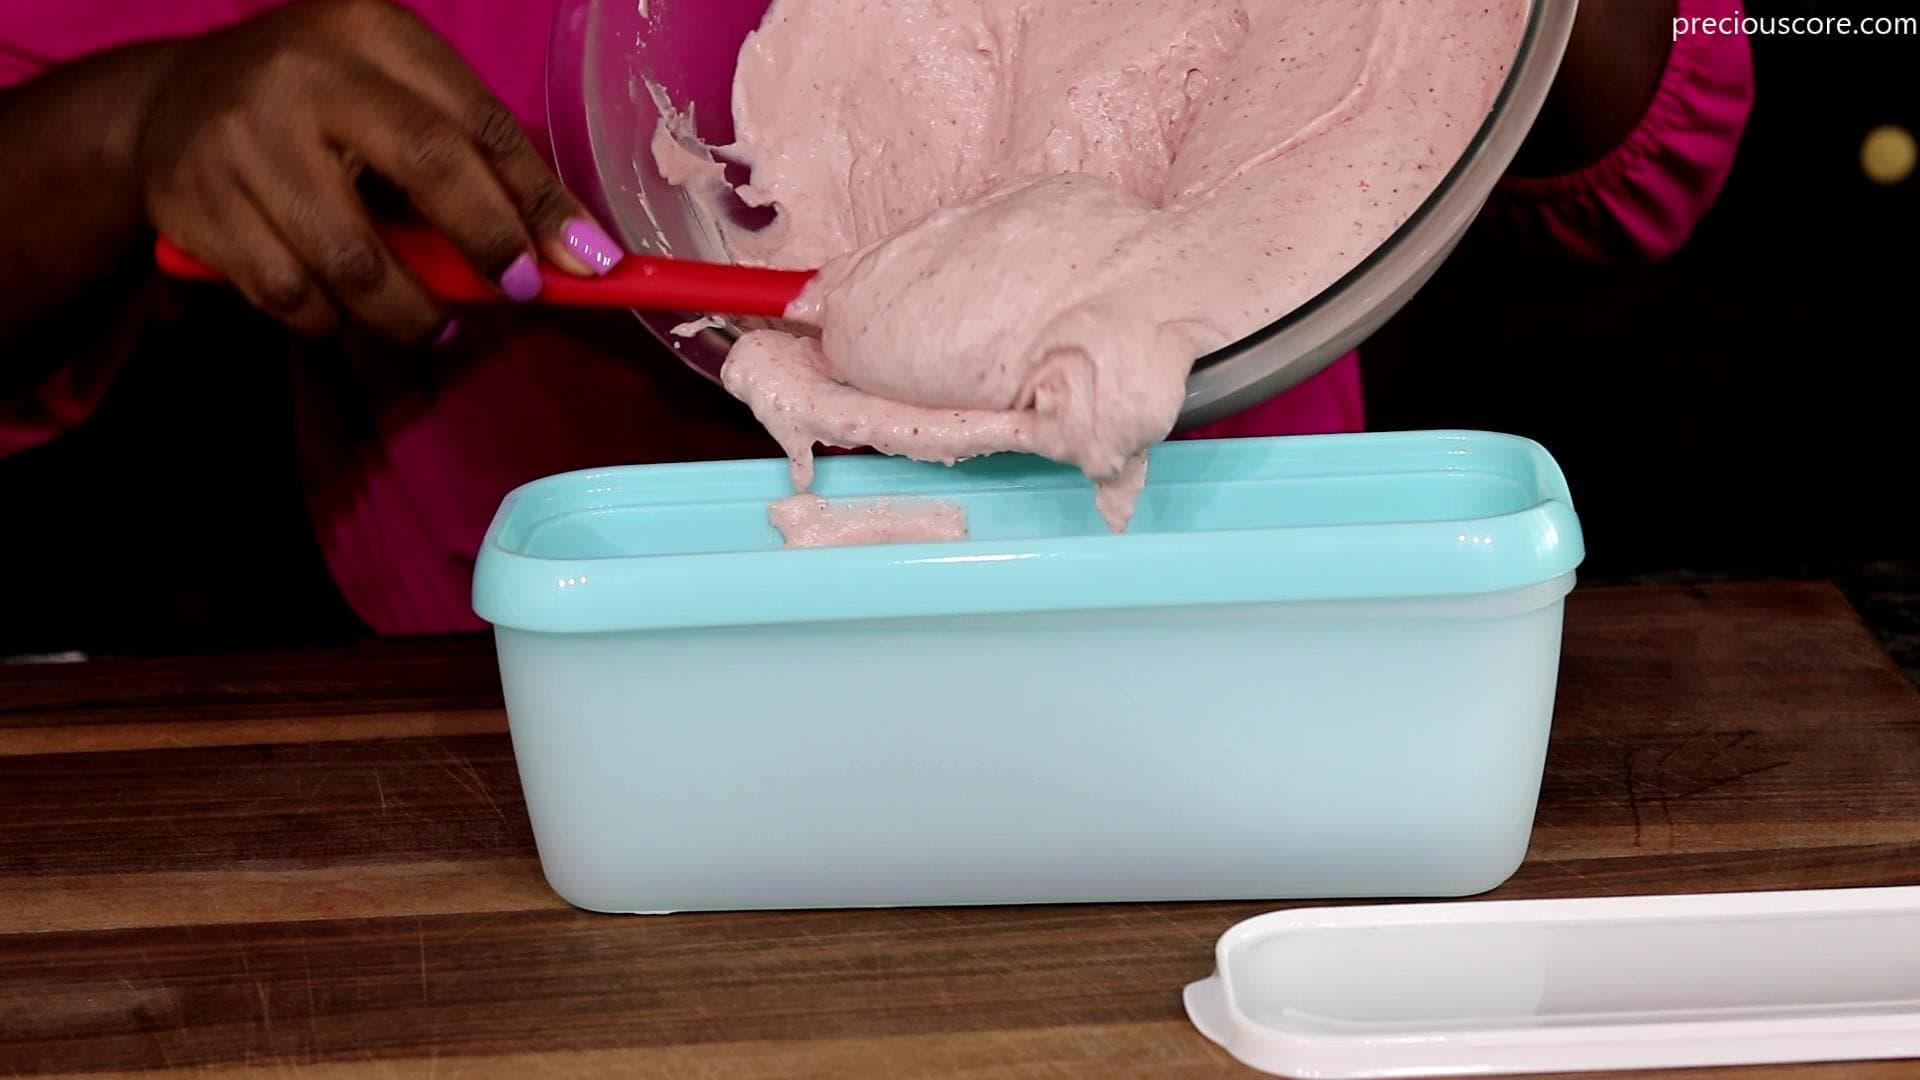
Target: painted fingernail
<point>592,245</point>
<point>448,335</point>
<point>521,282</point>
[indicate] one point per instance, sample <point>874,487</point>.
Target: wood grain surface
<point>319,865</point>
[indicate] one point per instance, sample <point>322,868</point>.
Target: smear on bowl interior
<point>1031,218</point>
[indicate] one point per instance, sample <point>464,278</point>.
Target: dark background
<point>1742,410</point>
<point>1747,408</point>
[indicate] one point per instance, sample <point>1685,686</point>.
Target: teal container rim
<point>1536,542</point>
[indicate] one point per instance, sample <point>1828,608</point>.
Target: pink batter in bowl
<point>608,59</point>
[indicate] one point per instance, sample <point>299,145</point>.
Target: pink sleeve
<point>505,41</point>
<point>39,34</point>
<point>1641,202</point>
<point>36,36</point>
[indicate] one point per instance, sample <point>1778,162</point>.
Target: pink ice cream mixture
<point>811,521</point>
<point>1031,218</point>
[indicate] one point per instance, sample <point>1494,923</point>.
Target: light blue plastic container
<point>1314,667</point>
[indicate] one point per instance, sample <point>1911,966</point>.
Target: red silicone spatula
<point>645,282</point>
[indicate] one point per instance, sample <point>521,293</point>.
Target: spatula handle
<point>645,282</point>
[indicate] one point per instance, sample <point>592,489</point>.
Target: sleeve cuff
<point>1641,202</point>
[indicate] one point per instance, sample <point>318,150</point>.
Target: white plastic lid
<point>1533,986</point>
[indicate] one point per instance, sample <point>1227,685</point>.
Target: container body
<point>1279,751</point>
<point>1229,715</point>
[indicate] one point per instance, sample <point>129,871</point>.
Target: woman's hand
<point>249,151</point>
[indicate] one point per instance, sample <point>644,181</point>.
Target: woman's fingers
<point>567,234</point>
<point>415,146</point>
<point>280,122</point>
<point>302,188</point>
<point>418,59</point>
<point>255,259</point>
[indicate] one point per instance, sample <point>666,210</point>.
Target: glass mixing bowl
<point>603,53</point>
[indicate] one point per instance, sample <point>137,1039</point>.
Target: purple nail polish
<point>521,282</point>
<point>592,245</point>
<point>447,335</point>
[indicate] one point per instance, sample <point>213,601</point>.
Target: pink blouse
<point>406,456</point>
